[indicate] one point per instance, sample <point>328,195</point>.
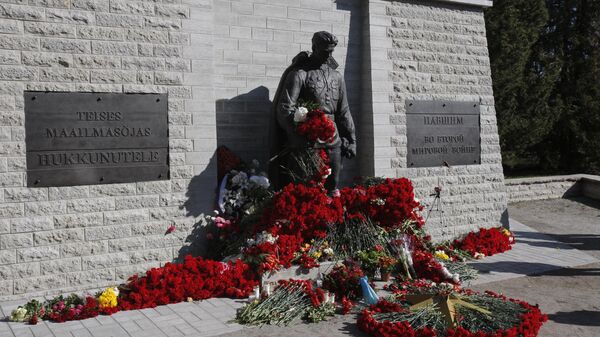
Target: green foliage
<point>320,313</point>
<point>545,63</point>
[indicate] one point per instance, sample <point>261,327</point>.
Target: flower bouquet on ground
<point>427,309</point>
<point>292,300</point>
<point>486,242</point>
<point>370,260</point>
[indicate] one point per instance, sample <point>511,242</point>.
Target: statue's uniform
<point>325,86</point>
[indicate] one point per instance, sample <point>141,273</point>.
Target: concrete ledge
<point>477,3</point>
<point>553,187</point>
<point>480,3</point>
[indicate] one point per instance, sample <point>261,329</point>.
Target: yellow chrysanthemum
<point>440,254</point>
<point>506,232</point>
<point>108,298</point>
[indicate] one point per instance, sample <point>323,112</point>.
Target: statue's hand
<point>348,149</point>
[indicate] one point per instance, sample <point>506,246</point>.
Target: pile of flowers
<point>291,300</point>
<point>375,224</point>
<point>195,278</point>
<point>473,314</point>
<point>388,203</point>
<point>343,281</point>
<point>486,242</point>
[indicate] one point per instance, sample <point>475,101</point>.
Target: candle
<point>257,292</point>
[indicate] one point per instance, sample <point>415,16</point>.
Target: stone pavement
<point>532,254</point>
<point>199,319</point>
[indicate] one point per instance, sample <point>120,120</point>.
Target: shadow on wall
<point>352,77</point>
<point>200,200</point>
<point>243,124</point>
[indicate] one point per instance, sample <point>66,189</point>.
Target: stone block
<point>104,261</point>
<point>45,208</point>
<point>33,224</point>
<point>117,20</point>
<point>177,11</point>
<point>132,202</point>
<point>18,12</point>
<point>113,76</point>
<point>100,33</point>
<point>47,59</point>
<point>90,205</point>
<point>11,26</point>
<point>9,241</point>
<point>8,256</point>
<point>163,23</point>
<point>107,232</point>
<point>112,190</point>
<point>50,29</point>
<point>14,73</point>
<point>70,192</point>
<point>90,5</point>
<point>58,236</point>
<point>39,283</point>
<point>147,36</point>
<point>167,51</point>
<point>96,61</point>
<point>131,7</point>
<point>126,244</point>
<point>114,48</point>
<point>75,17</point>
<point>19,42</point>
<point>90,277</point>
<point>61,266</point>
<point>65,46</point>
<point>79,220</point>
<point>125,216</point>
<point>153,255</point>
<point>19,271</point>
<point>64,75</point>
<point>37,253</point>
<point>83,249</point>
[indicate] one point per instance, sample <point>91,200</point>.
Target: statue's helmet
<point>324,40</point>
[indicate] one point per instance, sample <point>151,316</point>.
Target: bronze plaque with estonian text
<point>442,133</point>
<point>79,138</point>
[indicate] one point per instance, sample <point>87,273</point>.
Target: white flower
<point>300,114</point>
<point>260,181</point>
<point>116,291</point>
<point>456,278</point>
<point>328,251</point>
<point>18,315</point>
<point>239,179</point>
<point>479,255</point>
<point>378,201</point>
<point>327,173</point>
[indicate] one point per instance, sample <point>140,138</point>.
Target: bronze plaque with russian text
<point>95,138</point>
<point>442,133</point>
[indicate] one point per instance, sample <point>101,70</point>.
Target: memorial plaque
<point>442,133</point>
<point>95,138</point>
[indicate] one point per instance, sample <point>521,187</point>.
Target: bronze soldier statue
<point>314,78</point>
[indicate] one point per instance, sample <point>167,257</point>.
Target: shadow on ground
<point>578,317</point>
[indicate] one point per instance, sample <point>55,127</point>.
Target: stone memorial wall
<point>217,63</point>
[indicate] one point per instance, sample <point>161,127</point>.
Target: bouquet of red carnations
<point>314,125</point>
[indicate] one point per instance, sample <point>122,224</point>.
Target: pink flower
<point>222,223</point>
<point>171,229</point>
